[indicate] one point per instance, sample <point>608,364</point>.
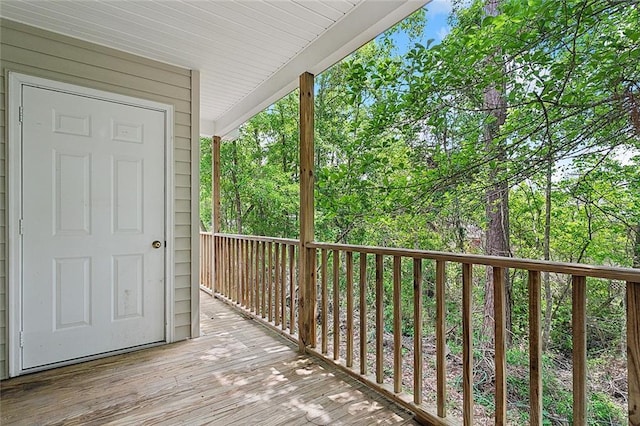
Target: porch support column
<point>307,257</point>
<point>215,209</point>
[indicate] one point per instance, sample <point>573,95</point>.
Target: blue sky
<point>437,27</point>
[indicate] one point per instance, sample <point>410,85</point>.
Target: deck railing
<point>260,275</point>
<point>206,261</point>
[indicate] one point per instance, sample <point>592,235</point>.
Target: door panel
<point>93,203</point>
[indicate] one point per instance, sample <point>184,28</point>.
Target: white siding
<point>44,54</point>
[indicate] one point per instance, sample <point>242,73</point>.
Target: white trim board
<point>14,207</point>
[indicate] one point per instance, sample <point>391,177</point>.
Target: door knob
<point>156,244</point>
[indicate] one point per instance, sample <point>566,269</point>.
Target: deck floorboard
<point>237,373</point>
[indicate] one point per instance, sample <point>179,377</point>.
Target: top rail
<point>606,272</point>
<point>288,241</point>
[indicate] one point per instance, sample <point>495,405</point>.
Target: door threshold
<point>89,358</point>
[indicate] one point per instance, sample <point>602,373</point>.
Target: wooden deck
<point>237,373</point>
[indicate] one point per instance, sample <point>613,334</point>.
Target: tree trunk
<point>636,248</point>
<point>547,254</point>
<point>497,195</point>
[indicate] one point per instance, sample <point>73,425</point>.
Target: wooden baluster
<point>229,269</point>
<point>535,350</point>
<point>633,351</point>
<point>256,275</point>
<point>203,259</point>
<point>500,345</point>
<point>379,318</point>
<point>251,275</point>
<point>224,270</point>
<point>441,336</point>
<point>249,269</point>
<point>579,330</point>
<point>203,278</point>
<point>283,289</point>
<point>270,282</point>
<point>336,304</point>
<point>240,272</point>
<point>234,270</point>
<point>323,306</point>
<point>363,313</point>
<point>349,266</point>
<point>247,281</point>
<point>238,260</point>
<point>215,267</point>
<point>217,283</point>
<point>221,264</point>
<point>292,289</point>
<point>276,284</point>
<point>263,264</point>
<point>417,331</point>
<point>467,344</point>
<point>245,272</point>
<point>222,254</point>
<point>311,294</point>
<point>397,325</point>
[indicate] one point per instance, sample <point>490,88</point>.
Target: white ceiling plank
<point>270,9</point>
<point>342,5</point>
<point>303,14</point>
<point>237,10</point>
<point>322,8</point>
<point>250,24</point>
<point>158,21</point>
<point>249,52</point>
<point>216,28</point>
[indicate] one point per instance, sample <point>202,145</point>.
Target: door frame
<point>14,208</point>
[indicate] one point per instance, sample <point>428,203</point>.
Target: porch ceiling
<point>249,53</point>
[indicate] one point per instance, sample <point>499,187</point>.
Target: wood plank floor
<point>237,373</point>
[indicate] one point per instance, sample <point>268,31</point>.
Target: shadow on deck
<point>237,372</point>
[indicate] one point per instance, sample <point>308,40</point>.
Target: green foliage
<point>402,160</point>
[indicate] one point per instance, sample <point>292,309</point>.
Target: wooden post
<point>633,351</point>
<point>379,318</point>
<point>500,308</point>
<point>578,323</point>
<point>397,325</point>
<point>467,344</point>
<point>215,209</point>
<point>307,328</point>
<point>441,336</point>
<point>417,331</point>
<point>535,350</point>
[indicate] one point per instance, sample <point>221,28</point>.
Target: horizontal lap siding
<point>40,53</point>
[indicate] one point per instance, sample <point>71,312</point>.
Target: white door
<point>92,205</point>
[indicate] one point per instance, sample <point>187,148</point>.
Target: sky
<point>437,26</point>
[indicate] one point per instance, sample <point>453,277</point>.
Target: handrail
<point>259,238</point>
<point>606,272</point>
<point>260,275</point>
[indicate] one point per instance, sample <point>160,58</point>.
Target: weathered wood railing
<point>259,274</point>
<point>206,261</point>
